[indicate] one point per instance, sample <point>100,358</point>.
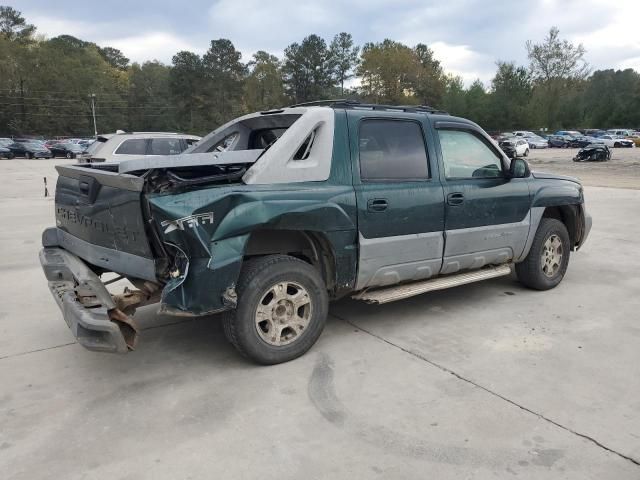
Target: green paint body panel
<point>335,210</point>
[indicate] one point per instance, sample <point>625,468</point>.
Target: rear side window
<point>135,146</point>
<point>392,150</point>
<point>165,146</point>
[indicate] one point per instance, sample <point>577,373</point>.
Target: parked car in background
<point>117,147</point>
<point>635,138</point>
<point>67,149</point>
<point>85,144</point>
<point>5,141</point>
<point>558,141</point>
<point>29,150</point>
<point>5,152</point>
<point>615,141</point>
<point>50,143</point>
<point>515,147</point>
<point>524,133</point>
<point>594,132</point>
<point>536,141</point>
<point>568,133</point>
<point>580,141</point>
<point>622,132</point>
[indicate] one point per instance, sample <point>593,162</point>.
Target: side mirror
<point>519,168</point>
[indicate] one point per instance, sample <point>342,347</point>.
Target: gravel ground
<point>622,171</point>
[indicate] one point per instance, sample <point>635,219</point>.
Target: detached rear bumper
<point>86,305</point>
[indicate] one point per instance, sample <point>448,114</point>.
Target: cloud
<point>469,36</point>
<point>151,46</point>
<point>463,61</point>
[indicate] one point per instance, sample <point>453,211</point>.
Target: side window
<point>135,146</point>
<point>392,150</point>
<point>466,156</point>
<point>165,146</point>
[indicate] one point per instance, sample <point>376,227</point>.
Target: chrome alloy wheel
<point>283,313</point>
<point>552,255</point>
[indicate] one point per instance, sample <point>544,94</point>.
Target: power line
<point>67,93</point>
<point>98,106</point>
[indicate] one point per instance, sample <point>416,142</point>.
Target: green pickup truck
<point>276,213</point>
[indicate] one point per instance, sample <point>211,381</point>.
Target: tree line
<point>46,85</point>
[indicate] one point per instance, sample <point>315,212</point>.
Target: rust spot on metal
<point>127,327</point>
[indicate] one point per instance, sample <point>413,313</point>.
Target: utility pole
<point>93,111</point>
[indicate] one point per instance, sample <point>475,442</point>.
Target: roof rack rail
<point>355,104</point>
<point>329,102</point>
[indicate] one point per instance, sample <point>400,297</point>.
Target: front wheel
<point>546,264</point>
<point>281,312</point>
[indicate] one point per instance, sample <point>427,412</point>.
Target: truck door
<point>487,215</point>
<point>399,197</point>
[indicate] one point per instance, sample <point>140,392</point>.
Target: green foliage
<point>511,93</point>
<point>13,26</point>
<point>343,58</point>
<point>264,87</point>
<point>46,85</point>
<point>186,84</point>
<point>223,74</point>
<point>430,83</point>
<point>307,69</point>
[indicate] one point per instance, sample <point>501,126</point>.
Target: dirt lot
<point>489,380</point>
<point>622,171</point>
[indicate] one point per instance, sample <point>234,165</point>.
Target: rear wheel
<point>281,312</point>
<point>616,145</point>
<point>28,155</point>
<point>526,152</point>
<point>69,155</point>
<point>547,261</point>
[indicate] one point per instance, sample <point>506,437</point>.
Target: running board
<point>399,292</point>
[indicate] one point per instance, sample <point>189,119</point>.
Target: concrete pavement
<point>484,381</point>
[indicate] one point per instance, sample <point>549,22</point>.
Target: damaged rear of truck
<point>182,228</point>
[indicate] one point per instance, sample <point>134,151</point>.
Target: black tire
<point>28,156</point>
<point>530,271</point>
<point>616,145</point>
<point>526,152</point>
<point>257,278</point>
<point>69,155</point>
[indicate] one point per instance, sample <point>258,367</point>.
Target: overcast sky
<point>468,36</point>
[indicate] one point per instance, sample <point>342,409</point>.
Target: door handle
<point>455,198</point>
<point>377,204</point>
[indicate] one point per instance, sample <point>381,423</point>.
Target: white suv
<point>117,147</point>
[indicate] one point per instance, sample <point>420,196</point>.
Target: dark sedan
<point>580,142</point>
<point>29,150</point>
<point>557,141</point>
<point>5,152</point>
<point>69,150</point>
